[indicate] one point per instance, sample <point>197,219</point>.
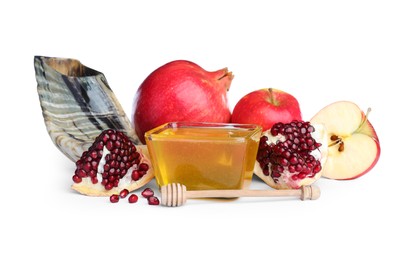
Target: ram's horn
<point>77,104</point>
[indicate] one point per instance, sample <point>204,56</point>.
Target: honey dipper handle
<point>306,192</point>
<point>175,194</point>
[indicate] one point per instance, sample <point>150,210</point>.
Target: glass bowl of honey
<point>204,156</point>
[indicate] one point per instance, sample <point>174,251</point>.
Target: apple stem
<point>365,119</point>
<point>272,99</point>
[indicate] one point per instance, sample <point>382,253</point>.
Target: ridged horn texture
<point>77,104</point>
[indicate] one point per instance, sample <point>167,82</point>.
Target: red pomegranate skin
<point>181,91</point>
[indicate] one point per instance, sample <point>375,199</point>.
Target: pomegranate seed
<point>124,193</point>
<point>112,163</point>
<point>92,174</point>
<point>133,198</point>
<point>283,162</point>
<point>109,145</point>
<point>135,175</point>
<point>87,167</point>
<point>153,200</point>
<point>275,175</point>
<point>121,165</point>
<point>264,139</point>
<point>143,167</point>
<point>81,173</point>
<point>117,144</point>
<point>94,154</point>
<point>100,146</point>
<point>301,175</point>
<point>114,198</point>
<point>76,179</point>
<point>94,180</point>
<point>266,171</point>
<point>94,165</point>
<point>109,186</point>
<point>146,193</point>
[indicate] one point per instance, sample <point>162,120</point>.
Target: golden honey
<point>204,155</point>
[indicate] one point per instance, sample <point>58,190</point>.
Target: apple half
<point>353,145</point>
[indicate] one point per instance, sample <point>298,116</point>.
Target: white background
<point>319,51</point>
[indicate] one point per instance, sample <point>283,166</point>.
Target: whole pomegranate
<point>291,155</point>
<point>181,91</point>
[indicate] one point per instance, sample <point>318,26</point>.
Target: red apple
<point>353,145</point>
<point>181,91</point>
<point>266,107</point>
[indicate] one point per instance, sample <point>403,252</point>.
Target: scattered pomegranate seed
<point>124,193</point>
<point>114,198</point>
<point>146,193</point>
<point>133,198</point>
<point>153,200</point>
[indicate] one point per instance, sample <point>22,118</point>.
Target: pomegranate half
<point>181,91</point>
<point>112,163</point>
<point>291,155</point>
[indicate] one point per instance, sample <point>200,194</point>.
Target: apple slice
<point>353,145</point>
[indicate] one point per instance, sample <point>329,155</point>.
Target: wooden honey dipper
<point>175,194</point>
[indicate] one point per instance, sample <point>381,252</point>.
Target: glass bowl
<point>204,156</point>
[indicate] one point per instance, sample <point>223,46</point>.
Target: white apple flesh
<point>353,145</point>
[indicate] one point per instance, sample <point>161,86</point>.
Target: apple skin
<point>361,146</point>
<point>369,130</point>
<point>266,107</point>
<point>181,91</point>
